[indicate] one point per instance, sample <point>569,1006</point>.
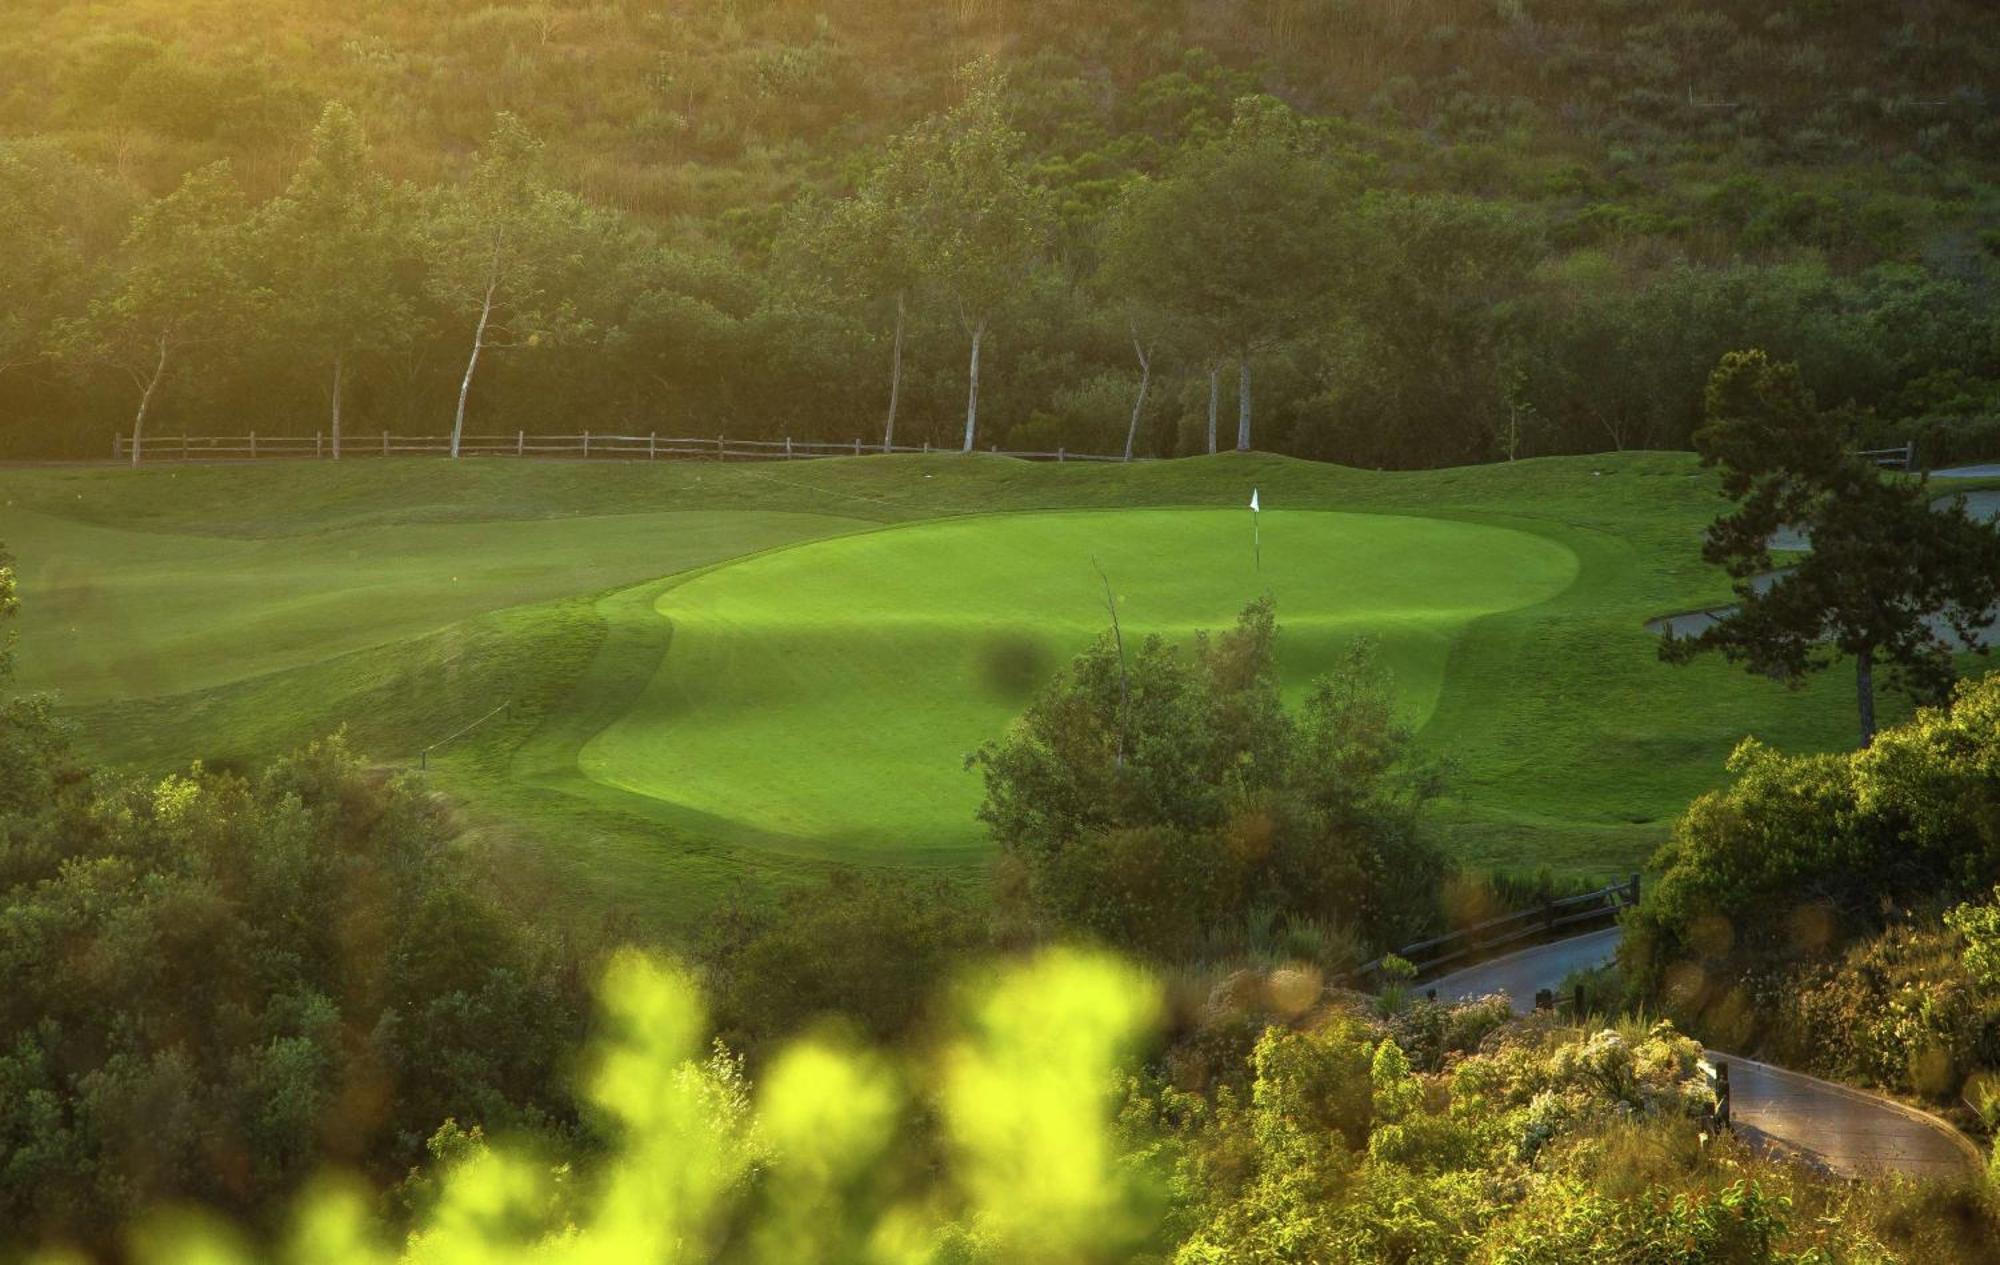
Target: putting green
<point>823,696</point>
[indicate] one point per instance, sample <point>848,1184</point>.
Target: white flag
<point>1253,500</point>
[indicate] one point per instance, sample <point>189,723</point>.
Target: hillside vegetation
<point>1419,233</point>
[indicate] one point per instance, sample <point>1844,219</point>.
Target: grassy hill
<point>735,674</point>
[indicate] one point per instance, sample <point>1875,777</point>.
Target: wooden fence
<point>1480,939</point>
<point>586,446</point>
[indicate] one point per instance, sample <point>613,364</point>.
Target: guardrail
<point>586,445</point>
<point>1496,933</point>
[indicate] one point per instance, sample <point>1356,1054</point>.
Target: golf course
<point>654,684</point>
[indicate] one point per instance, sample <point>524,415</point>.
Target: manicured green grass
<point>732,674</point>
<point>820,696</point>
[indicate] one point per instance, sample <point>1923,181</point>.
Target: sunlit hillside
<point>1527,192</point>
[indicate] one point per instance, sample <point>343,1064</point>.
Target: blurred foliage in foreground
<point>1436,1135</point>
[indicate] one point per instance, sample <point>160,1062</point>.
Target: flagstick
<point>1257,539</point>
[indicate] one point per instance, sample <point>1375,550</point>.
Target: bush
<point>870,950</point>
<point>1155,804</point>
<point>216,984</point>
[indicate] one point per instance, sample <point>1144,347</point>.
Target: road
<point>1847,1131</point>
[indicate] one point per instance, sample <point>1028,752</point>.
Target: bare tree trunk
<point>972,392</point>
<point>1138,405</point>
<point>895,378</point>
<point>1243,404</point>
<point>1214,403</point>
<point>146,400</point>
<point>1864,693</point>
<point>339,378</point>
<point>465,387</point>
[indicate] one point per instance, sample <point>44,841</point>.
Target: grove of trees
<point>768,222</point>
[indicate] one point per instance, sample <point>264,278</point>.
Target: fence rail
<point>1496,933</point>
<point>587,445</point>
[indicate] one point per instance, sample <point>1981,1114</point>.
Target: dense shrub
<point>1774,875</point>
<point>869,951</point>
<point>216,984</point>
<point>1159,801</point>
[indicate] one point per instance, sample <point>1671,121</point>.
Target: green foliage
<point>1801,849</point>
<point>1890,578</point>
<point>1147,802</point>
<point>1394,242</point>
<point>867,951</point>
<point>218,983</point>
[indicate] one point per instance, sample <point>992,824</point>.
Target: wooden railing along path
<point>649,447</point>
<point>1481,939</point>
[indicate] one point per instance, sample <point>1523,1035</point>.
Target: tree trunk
<point>339,378</point>
<point>1864,694</point>
<point>1138,405</point>
<point>972,391</point>
<point>146,400</point>
<point>465,387</point>
<point>1243,404</point>
<point>1214,403</point>
<point>895,378</point>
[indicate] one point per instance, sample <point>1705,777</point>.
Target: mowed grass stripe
<point>118,614</point>
<point>824,696</point>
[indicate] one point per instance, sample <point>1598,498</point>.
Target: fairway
<point>824,696</point>
<point>696,678</point>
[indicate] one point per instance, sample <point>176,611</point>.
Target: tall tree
<point>1891,581</point>
<point>865,247</point>
<point>333,243</point>
<point>1239,240</point>
<point>494,242</point>
<point>979,221</point>
<point>180,284</point>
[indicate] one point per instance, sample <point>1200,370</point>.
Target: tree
<point>1154,801</point>
<point>180,284</point>
<point>979,221</point>
<point>333,243</point>
<point>43,259</point>
<point>1238,241</point>
<point>1890,581</point>
<point>867,246</point>
<point>493,244</point>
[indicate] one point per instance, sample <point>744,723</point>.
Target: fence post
<point>1910,457</point>
<point>586,443</point>
<point>788,447</point>
<point>1576,1004</point>
<point>652,445</point>
<point>385,443</point>
<point>1545,999</point>
<point>927,448</point>
<point>520,443</point>
<point>719,454</point>
<point>319,444</point>
<point>1721,1094</point>
<point>1062,454</point>
<point>253,445</point>
<point>1549,916</point>
<point>1635,889</point>
<point>857,447</point>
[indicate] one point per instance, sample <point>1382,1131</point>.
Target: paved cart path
<point>1984,504</point>
<point>1848,1131</point>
